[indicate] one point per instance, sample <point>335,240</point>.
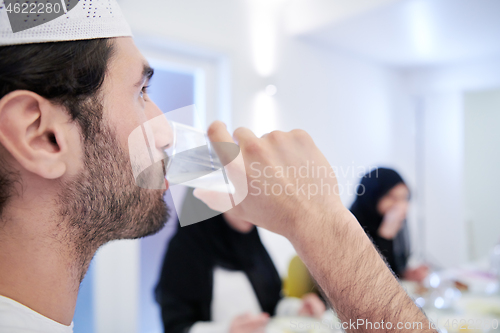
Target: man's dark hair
<point>66,73</point>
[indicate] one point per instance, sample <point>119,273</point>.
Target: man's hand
<point>249,323</point>
<point>393,220</point>
<point>416,274</point>
<point>282,186</point>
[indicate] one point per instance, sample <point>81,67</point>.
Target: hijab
<point>373,186</point>
<point>195,251</point>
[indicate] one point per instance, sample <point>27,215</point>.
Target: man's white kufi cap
<point>74,20</point>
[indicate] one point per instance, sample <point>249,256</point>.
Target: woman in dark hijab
<point>218,277</point>
<point>381,206</point>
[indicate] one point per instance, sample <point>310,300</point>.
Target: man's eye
<point>144,90</point>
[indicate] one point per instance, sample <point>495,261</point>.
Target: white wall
<point>437,94</point>
<point>476,75</point>
<point>116,287</point>
<point>482,158</point>
<point>443,204</point>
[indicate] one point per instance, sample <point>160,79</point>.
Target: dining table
<point>455,300</point>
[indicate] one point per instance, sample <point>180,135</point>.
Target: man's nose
<point>162,131</point>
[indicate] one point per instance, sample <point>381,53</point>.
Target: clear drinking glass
<point>193,162</point>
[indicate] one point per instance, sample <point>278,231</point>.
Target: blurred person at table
<point>218,277</point>
<point>381,207</point>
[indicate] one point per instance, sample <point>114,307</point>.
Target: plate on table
<point>485,306</point>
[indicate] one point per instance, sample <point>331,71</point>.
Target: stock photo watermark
<point>294,177</point>
<point>27,14</point>
<point>364,324</point>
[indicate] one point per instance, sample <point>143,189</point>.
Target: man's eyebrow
<point>147,74</point>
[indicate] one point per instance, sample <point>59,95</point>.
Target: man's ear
<point>34,131</point>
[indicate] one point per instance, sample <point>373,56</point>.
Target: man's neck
<point>39,268</point>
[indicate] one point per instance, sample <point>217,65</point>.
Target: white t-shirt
<point>17,318</point>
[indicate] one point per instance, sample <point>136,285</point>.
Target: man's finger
<point>217,132</point>
<point>243,135</point>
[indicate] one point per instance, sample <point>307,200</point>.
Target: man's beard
<point>103,203</point>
